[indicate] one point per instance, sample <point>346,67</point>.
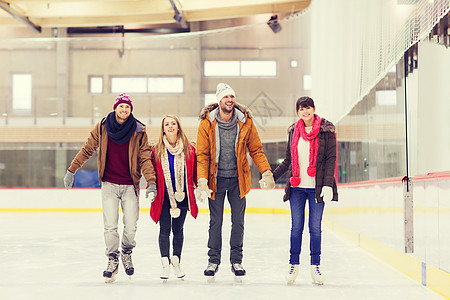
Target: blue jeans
<point>297,201</point>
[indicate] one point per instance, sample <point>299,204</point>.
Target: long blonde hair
<point>160,147</point>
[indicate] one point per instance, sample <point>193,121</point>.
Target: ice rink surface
<point>61,256</point>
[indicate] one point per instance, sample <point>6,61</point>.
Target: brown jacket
<point>326,161</point>
<point>208,154</point>
<point>138,152</point>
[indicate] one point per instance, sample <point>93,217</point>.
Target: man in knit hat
<point>123,153</point>
<point>225,133</point>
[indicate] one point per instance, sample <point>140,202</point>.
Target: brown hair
<point>304,102</point>
<point>160,147</point>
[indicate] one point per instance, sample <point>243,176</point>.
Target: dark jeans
<point>230,188</point>
<point>167,224</point>
<point>298,201</point>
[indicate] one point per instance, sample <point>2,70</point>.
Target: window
<point>386,97</point>
<point>21,91</point>
<point>210,98</point>
<point>128,85</point>
<point>258,68</point>
<point>236,68</point>
<point>95,84</point>
<point>307,82</point>
<point>222,68</point>
<point>165,85</point>
<point>145,85</point>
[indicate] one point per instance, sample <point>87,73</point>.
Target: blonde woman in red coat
<point>175,164</point>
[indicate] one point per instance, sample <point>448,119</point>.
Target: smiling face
<point>170,128</point>
<point>123,111</point>
<point>226,104</point>
<point>306,114</point>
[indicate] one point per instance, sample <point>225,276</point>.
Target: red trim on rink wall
<point>445,175</point>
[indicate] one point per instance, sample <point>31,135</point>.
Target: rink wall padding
<point>370,215</point>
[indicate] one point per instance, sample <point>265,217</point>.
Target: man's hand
<point>150,193</point>
<point>68,179</point>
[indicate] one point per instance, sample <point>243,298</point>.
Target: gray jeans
<point>112,196</point>
<point>230,188</point>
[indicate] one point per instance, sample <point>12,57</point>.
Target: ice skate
<point>293,273</point>
<point>317,276</point>
<point>238,272</point>
<point>177,268</point>
<point>111,270</point>
<point>210,271</point>
<point>165,272</point>
<point>128,263</point>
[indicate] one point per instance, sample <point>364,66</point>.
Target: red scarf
<point>313,138</point>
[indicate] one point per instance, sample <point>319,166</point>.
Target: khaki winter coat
<point>208,153</point>
<point>138,153</point>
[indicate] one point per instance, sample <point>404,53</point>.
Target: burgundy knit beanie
<point>123,98</point>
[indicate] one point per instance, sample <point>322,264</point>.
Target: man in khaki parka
<point>225,133</point>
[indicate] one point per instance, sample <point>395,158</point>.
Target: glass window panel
<point>96,85</point>
<point>259,68</point>
<point>21,91</point>
<point>222,68</point>
<point>386,97</point>
<point>307,82</point>
<point>129,85</point>
<point>210,98</point>
<point>165,85</point>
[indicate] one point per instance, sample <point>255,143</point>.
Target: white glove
<point>267,182</point>
<point>327,193</point>
<point>68,179</point>
<point>150,192</point>
<point>202,192</point>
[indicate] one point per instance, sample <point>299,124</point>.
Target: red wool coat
<point>190,176</point>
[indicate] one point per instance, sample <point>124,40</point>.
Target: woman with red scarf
<point>310,162</point>
<point>175,163</point>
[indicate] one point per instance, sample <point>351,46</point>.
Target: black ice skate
<point>211,271</point>
<point>113,266</point>
<point>238,271</point>
<point>127,263</point>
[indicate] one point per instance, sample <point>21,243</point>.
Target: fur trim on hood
<point>213,106</point>
<point>325,126</point>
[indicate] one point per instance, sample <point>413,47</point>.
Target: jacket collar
<point>210,111</point>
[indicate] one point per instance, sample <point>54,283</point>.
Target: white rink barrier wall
<point>369,214</point>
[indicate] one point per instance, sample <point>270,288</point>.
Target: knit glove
<point>267,182</point>
<point>327,193</point>
<point>68,179</point>
<point>150,193</point>
<point>202,192</point>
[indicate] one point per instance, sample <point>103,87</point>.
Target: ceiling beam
<point>19,16</point>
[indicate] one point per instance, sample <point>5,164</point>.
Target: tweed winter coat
<point>326,161</point>
<point>138,153</point>
<point>190,182</point>
<point>208,154</point>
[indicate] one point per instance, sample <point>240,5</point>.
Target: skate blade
<point>238,279</point>
<point>290,282</point>
<point>110,280</point>
<point>317,282</point>
<point>210,279</point>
